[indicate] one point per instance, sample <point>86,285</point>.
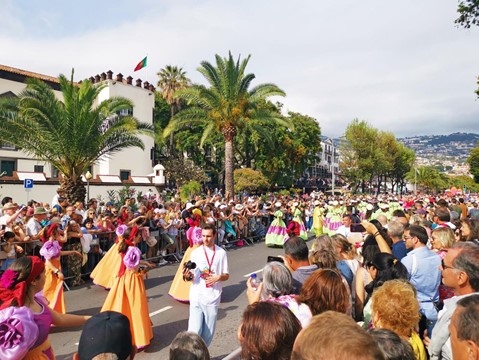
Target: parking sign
<point>28,184</point>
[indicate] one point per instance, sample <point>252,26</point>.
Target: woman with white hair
<point>277,286</point>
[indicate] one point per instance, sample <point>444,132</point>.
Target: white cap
<point>188,206</point>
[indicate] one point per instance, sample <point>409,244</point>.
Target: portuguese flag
<point>141,64</point>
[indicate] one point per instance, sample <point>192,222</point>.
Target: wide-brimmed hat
<point>10,206</point>
<point>239,207</point>
<point>39,211</point>
<point>317,202</point>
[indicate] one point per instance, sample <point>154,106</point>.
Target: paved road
<point>168,316</point>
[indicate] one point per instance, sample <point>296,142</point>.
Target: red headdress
<point>10,291</point>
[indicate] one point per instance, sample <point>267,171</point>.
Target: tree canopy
<point>225,106</point>
<point>371,155</point>
<point>468,13</point>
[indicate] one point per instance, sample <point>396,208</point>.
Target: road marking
<point>254,272</point>
<point>160,311</point>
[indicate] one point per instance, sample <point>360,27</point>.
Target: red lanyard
<point>210,264</point>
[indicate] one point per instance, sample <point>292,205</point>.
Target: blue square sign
<point>28,183</point>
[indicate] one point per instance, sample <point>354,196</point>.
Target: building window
<point>55,172</point>
<point>125,112</point>
<point>38,168</point>
<point>8,167</point>
<point>6,146</point>
<point>124,174</point>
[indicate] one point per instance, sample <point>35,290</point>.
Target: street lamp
<point>88,177</point>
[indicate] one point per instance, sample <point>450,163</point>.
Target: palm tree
<point>226,106</point>
<point>172,79</point>
<point>71,135</point>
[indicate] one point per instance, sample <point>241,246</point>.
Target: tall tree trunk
<point>229,178</point>
<point>172,135</point>
<point>229,133</point>
<point>74,189</point>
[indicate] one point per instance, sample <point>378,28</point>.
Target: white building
<point>319,175</point>
<point>133,165</point>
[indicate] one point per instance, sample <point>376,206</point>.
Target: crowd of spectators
<point>394,278</point>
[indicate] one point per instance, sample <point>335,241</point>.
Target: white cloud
<point>402,66</point>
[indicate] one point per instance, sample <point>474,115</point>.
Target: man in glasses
<point>460,271</point>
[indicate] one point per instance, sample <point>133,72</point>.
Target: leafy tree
<point>385,154</point>
<point>225,106</point>
<point>189,190</point>
<point>249,180</point>
<point>473,161</point>
<point>73,134</point>
<point>359,149</point>
<point>468,13</point>
<point>184,170</point>
<point>294,150</point>
<point>428,179</point>
<point>403,163</point>
<point>460,181</point>
<point>172,79</point>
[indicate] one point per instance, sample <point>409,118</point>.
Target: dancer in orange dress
<point>180,289</point>
<point>106,270</point>
<point>51,251</point>
<point>128,294</point>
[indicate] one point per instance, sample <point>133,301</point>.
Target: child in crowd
<point>10,249</point>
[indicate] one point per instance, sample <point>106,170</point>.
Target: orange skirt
<point>41,352</point>
<point>180,289</point>
<point>107,269</point>
<point>53,288</point>
<point>128,296</point>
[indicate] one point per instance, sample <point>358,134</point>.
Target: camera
<point>275,258</point>
<point>357,228</point>
<point>189,265</point>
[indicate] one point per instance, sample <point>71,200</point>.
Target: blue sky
<point>403,66</point>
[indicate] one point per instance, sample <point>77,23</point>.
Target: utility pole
<point>415,180</point>
<point>332,178</point>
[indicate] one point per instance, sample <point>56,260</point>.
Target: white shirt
<point>199,293</point>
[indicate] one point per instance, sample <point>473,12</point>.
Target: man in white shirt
<point>205,292</point>
<point>34,229</point>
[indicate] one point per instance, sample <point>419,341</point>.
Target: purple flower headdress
<point>18,332</point>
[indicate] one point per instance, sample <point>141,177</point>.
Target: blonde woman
<point>442,238</point>
<point>395,307</point>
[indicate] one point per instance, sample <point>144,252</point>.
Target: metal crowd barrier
<point>253,231</point>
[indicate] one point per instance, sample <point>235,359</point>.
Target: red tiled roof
<point>28,73</point>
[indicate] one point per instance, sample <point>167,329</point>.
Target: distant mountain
<point>437,148</point>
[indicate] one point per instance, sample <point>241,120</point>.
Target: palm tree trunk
<point>75,189</point>
<point>229,178</point>
<point>172,135</point>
